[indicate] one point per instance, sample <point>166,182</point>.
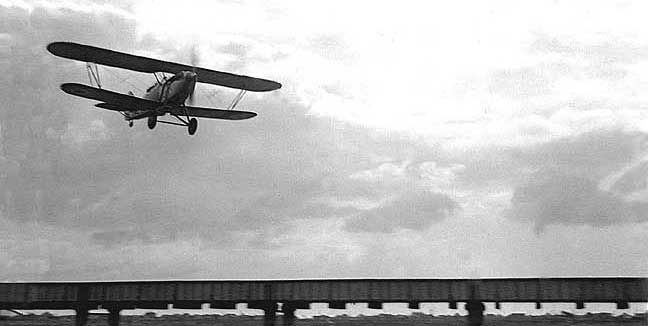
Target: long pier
<point>285,296</point>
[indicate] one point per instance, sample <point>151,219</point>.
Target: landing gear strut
<point>192,126</point>
<point>152,121</point>
<point>190,123</point>
<point>130,124</point>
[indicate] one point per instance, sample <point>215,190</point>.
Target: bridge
<point>285,296</point>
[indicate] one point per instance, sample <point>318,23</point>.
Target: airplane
<point>166,96</point>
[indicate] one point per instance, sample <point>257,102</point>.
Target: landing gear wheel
<point>152,121</point>
<point>192,126</point>
<point>130,124</point>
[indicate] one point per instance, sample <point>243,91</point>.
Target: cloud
<point>605,51</point>
<point>410,195</point>
<point>593,178</point>
<point>553,197</point>
<point>413,210</point>
<point>72,166</point>
<point>563,180</point>
<point>633,180</point>
<point>73,170</point>
<point>295,193</point>
<point>63,160</point>
<point>530,81</point>
<point>596,153</point>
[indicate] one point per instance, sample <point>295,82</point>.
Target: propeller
<point>194,63</point>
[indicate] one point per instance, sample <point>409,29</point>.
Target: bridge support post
<point>475,307</point>
<point>113,316</point>
<point>288,315</point>
<point>475,312</point>
<point>81,317</point>
<point>269,314</point>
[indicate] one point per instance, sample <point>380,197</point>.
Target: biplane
<point>166,96</point>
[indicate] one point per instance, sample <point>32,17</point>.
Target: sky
<point>409,139</point>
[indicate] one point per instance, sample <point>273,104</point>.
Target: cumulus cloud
<point>70,166</point>
<point>633,180</point>
<point>414,210</point>
<point>596,153</point>
<point>292,190</point>
<point>553,197</point>
<point>563,183</point>
<point>63,161</point>
<point>527,81</point>
<point>404,196</point>
<point>605,51</point>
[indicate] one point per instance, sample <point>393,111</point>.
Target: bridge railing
<point>157,294</point>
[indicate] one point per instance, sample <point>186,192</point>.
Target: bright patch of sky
<point>466,73</point>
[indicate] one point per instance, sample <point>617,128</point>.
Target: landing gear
<point>192,126</point>
<point>130,124</point>
<point>152,121</point>
<point>190,123</point>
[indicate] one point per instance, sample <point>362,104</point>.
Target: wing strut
<point>236,100</point>
<point>93,73</point>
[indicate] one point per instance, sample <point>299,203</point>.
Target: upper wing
<point>212,113</point>
<point>114,101</point>
<point>111,58</point>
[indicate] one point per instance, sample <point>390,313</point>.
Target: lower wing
<point>113,100</point>
<point>190,111</point>
<point>122,102</point>
<point>211,113</point>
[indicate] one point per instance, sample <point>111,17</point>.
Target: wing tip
<point>266,86</point>
<point>58,48</point>
<point>270,85</point>
<point>70,87</point>
<point>243,115</point>
<point>277,86</point>
<point>67,87</point>
<point>52,47</point>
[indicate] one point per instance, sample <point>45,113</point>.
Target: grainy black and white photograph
<point>317,163</point>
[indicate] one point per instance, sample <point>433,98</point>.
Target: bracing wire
<point>125,80</point>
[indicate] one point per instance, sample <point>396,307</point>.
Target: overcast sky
<point>408,140</point>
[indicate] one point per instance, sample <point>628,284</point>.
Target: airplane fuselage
<point>169,92</point>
